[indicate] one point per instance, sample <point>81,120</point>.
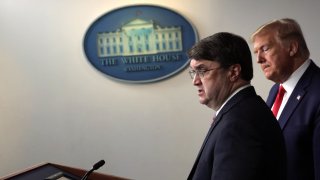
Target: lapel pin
<point>298,97</point>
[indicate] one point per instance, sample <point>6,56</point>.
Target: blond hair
<point>285,30</point>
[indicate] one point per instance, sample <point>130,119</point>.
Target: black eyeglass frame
<point>201,72</point>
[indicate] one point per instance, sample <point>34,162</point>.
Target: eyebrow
<point>255,49</point>
<point>200,66</point>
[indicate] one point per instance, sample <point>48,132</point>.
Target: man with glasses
<point>245,140</point>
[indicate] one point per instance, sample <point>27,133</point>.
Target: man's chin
<point>268,75</point>
<point>203,101</point>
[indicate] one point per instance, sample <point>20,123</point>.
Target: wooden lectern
<point>50,171</point>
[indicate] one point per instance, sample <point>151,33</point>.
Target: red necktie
<point>277,102</point>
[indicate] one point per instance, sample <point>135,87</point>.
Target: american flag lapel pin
<point>298,97</point>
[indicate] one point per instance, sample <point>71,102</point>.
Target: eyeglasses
<point>201,73</point>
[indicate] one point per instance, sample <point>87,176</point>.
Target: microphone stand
<point>95,167</point>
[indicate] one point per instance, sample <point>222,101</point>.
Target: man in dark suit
<point>245,140</point>
<point>283,54</point>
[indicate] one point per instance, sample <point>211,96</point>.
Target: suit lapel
<point>272,95</point>
<point>291,105</point>
<point>200,152</point>
<point>296,96</point>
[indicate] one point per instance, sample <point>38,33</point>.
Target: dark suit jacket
<point>300,124</point>
<point>244,143</point>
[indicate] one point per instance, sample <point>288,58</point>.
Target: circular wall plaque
<point>139,44</point>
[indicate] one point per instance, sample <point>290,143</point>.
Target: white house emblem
<point>139,44</point>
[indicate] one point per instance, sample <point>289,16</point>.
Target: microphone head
<point>98,164</point>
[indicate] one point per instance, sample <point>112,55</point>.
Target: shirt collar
<point>234,93</point>
<point>295,77</point>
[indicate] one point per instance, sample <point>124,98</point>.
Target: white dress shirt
<point>291,83</point>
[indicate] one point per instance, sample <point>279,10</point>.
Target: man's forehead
<point>262,41</point>
<point>264,37</point>
<point>196,64</point>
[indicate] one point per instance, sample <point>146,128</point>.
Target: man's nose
<point>260,57</point>
<point>196,79</point>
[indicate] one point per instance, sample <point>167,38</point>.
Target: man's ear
<point>293,48</point>
<point>235,71</point>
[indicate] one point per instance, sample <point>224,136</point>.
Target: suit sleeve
<point>316,146</point>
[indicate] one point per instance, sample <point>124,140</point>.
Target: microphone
<point>95,167</point>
